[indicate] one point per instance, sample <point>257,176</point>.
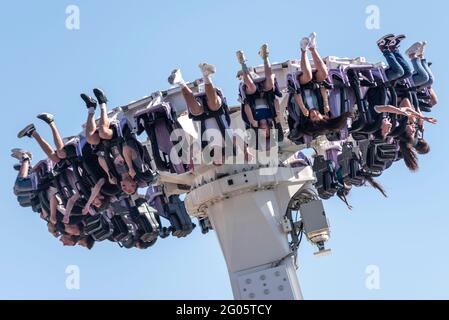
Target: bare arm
<point>71,203</point>
<point>390,109</point>
<point>325,95</point>
<point>249,115</point>
<point>412,112</point>
<point>129,154</point>
<point>419,115</point>
<point>105,168</point>
<point>43,214</point>
<point>428,119</point>
<point>302,106</point>
<point>53,208</point>
<point>95,191</point>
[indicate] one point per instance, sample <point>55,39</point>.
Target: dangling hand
<point>431,120</point>
<point>85,210</point>
<point>112,179</point>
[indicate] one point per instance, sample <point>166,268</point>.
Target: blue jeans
<point>23,186</point>
<point>24,201</point>
<point>425,65</point>
<point>398,67</point>
<point>420,76</point>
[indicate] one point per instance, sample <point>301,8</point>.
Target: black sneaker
<point>384,42</point>
<point>90,102</point>
<point>280,132</point>
<point>17,166</point>
<point>395,42</point>
<point>27,131</point>
<point>294,134</point>
<point>99,94</point>
<point>47,117</point>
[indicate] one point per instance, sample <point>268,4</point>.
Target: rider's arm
<point>95,191</point>
<point>302,106</point>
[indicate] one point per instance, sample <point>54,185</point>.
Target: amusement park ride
<point>253,207</point>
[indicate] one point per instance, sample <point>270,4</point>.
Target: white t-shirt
<point>261,104</point>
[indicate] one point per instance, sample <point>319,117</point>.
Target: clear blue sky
<point>128,48</point>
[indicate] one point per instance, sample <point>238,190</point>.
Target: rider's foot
<point>241,57</point>
<point>304,44</point>
<point>207,69</point>
<point>384,42</point>
<point>175,77</point>
<point>312,40</point>
<point>264,52</point>
<point>21,154</point>
<point>421,49</point>
<point>90,102</point>
<point>47,117</point>
<point>395,42</point>
<point>27,131</point>
<point>294,134</point>
<point>101,97</point>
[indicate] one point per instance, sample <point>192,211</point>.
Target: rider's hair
<point>326,124</point>
<point>409,155</point>
<point>376,185</point>
<point>105,203</point>
<point>422,147</point>
<point>343,194</point>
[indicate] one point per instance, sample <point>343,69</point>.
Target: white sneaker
<point>263,52</point>
<point>312,40</point>
<point>241,57</point>
<point>207,69</point>
<point>304,44</point>
<point>20,154</point>
<point>414,49</point>
<point>175,77</point>
<point>421,48</point>
<point>156,98</point>
<point>70,139</point>
<point>157,95</point>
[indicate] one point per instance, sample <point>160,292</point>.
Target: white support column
<point>247,214</point>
